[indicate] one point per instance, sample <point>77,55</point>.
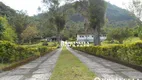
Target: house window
<point>81,36</point>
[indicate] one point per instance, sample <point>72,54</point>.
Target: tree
<point>97,9</point>
<point>20,22</point>
<point>57,15</point>
<point>137,31</point>
<point>29,33</point>
<point>1,29</point>
<point>7,32</point>
<point>135,7</point>
<point>119,34</point>
<point>82,7</point>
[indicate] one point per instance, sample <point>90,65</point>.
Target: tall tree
<point>119,34</point>
<point>135,7</point>
<point>82,7</point>
<point>20,22</point>
<point>29,33</point>
<point>1,29</point>
<point>7,32</point>
<point>57,15</point>
<point>97,9</point>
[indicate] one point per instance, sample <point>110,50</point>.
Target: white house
<point>88,38</point>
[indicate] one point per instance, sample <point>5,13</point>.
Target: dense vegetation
<point>128,53</point>
<point>116,17</point>
<point>18,32</point>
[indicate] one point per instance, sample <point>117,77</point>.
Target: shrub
<point>10,52</point>
<point>131,53</point>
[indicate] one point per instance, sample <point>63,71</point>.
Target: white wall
<point>88,38</point>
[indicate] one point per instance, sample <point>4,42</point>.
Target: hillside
<point>6,10</point>
<point>116,16</point>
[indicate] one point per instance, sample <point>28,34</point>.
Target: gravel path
<point>39,69</point>
<point>105,69</point>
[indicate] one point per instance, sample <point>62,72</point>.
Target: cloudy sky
<point>31,5</point>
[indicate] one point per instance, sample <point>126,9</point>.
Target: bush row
<point>10,52</point>
<point>131,53</point>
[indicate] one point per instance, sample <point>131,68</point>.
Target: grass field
<point>50,44</point>
<point>132,40</point>
<point>70,68</point>
<point>126,41</point>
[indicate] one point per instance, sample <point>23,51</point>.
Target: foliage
<point>135,7</point>
<point>7,32</point>
<point>29,33</point>
<point>119,34</point>
<point>126,53</point>
<point>97,9</point>
<point>20,22</point>
<point>6,11</point>
<point>57,18</point>
<point>1,29</point>
<point>10,52</point>
<point>71,29</point>
<point>139,32</point>
<point>97,13</point>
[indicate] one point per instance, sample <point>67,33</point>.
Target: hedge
<point>10,52</point>
<point>131,53</point>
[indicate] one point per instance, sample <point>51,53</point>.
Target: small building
<point>50,39</point>
<point>88,37</point>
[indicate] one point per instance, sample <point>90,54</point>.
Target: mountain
<point>114,13</point>
<point>6,10</point>
<point>117,17</point>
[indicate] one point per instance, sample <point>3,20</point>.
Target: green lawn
<point>50,44</point>
<point>126,41</point>
<point>132,40</point>
<point>69,67</point>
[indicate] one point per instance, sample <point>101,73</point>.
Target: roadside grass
<point>126,41</point>
<point>69,67</point>
<point>3,66</point>
<point>32,45</point>
<point>132,40</point>
<point>53,44</point>
<point>50,44</point>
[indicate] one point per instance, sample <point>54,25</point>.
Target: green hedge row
<point>131,54</point>
<point>10,52</point>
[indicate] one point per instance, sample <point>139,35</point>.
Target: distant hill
<point>6,10</point>
<point>114,13</point>
<point>117,17</point>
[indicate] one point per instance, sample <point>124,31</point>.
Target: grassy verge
<point>3,66</point>
<point>70,68</point>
